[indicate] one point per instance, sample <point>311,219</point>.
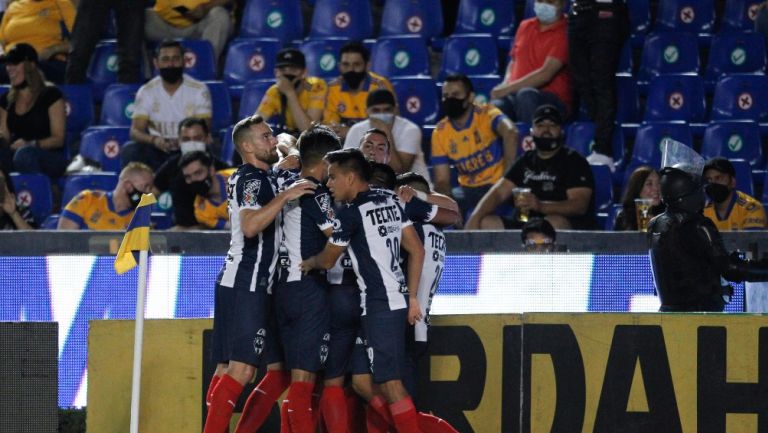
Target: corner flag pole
<point>138,339</point>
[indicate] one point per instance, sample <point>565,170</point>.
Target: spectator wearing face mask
<point>728,208</point>
<point>404,135</point>
<point>478,140</point>
<point>209,188</point>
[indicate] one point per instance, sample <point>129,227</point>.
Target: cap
<point>20,53</point>
<point>547,112</point>
<point>380,96</point>
<point>291,57</point>
<point>720,164</point>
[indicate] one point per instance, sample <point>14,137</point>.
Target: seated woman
<point>643,183</point>
<point>32,118</point>
<point>12,216</point>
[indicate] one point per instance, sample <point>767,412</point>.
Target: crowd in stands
<point>562,116</point>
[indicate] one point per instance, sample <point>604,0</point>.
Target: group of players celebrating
<point>327,283</point>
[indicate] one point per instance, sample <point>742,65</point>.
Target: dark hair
<point>463,79</point>
<point>376,131</point>
<point>382,175</point>
<point>351,160</point>
<point>198,155</point>
<point>315,143</point>
<point>634,187</point>
<point>243,127</point>
<point>538,225</point>
<point>168,43</point>
<point>411,178</point>
<point>356,47</point>
<point>189,122</point>
<point>8,181</point>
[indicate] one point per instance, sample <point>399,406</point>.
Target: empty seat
<point>676,97</point>
<point>33,190</point>
<point>322,56</point>
<point>696,16</point>
<point>471,54</point>
<point>744,181</point>
<point>733,139</point>
<point>739,15</point>
<point>741,96</point>
<point>253,93</point>
<point>227,145</point>
<point>625,59</point>
<point>483,85</point>
<point>102,144</point>
<point>342,18</point>
<point>735,53</point>
<point>417,99</point>
<point>117,107</point>
<point>650,139</point>
<point>221,104</point>
<point>628,97</point>
<point>639,16</point>
<point>580,136</point>
<point>249,59</point>
<point>199,61</point>
<point>104,181</point>
<point>102,70</point>
<point>400,55</point>
<point>496,17</point>
<point>669,53</point>
<point>78,105</point>
<point>603,187</point>
<point>280,19</point>
<point>412,17</point>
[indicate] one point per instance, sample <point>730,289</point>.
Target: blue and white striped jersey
<point>434,261</point>
<point>371,226</point>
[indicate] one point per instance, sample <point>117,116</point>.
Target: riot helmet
<point>680,177</point>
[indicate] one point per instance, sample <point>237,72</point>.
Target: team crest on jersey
<point>336,224</point>
<point>251,192</point>
<point>325,204</point>
<point>382,231</point>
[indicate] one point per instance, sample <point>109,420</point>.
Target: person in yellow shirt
<point>113,210</point>
<point>348,93</point>
<point>728,208</point>
<point>190,19</point>
<point>296,100</point>
<point>209,187</point>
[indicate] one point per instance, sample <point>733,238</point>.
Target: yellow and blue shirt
<point>346,107</point>
<point>213,212</point>
<point>476,149</point>
<point>744,213</point>
<point>95,210</point>
<point>312,96</point>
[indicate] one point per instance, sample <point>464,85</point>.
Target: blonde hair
<point>134,167</point>
<point>34,79</point>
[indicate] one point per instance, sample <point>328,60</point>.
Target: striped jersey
<point>433,239</point>
<point>371,227</point>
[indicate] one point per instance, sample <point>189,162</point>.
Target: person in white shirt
<point>160,105</point>
<point>402,134</point>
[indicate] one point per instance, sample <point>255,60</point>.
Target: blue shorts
<point>344,302</point>
<point>385,332</point>
<point>222,302</point>
<point>359,361</point>
<point>302,317</point>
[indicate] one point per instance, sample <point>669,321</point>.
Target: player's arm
<point>411,243</point>
<point>444,216</point>
<point>325,260</point>
<point>498,194</point>
<point>254,221</point>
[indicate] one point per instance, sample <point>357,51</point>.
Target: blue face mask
<point>546,13</point>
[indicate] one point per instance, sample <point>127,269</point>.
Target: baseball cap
<point>20,53</point>
<point>291,57</point>
<point>722,165</point>
<point>547,112</point>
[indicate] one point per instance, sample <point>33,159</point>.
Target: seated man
<point>190,19</point>
<point>209,187</point>
<point>102,210</point>
<point>730,209</point>
<point>558,182</point>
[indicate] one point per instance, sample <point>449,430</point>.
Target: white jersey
<point>434,261</point>
<point>164,112</point>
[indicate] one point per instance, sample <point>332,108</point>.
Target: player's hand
<point>299,189</point>
<point>307,265</point>
<point>406,193</point>
<point>414,311</point>
<point>290,162</point>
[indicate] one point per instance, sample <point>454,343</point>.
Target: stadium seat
<point>78,104</point>
<point>628,107</point>
<point>739,15</point>
<point>639,16</point>
<point>105,181</point>
<point>34,191</point>
<point>412,17</point>
<point>612,213</point>
<point>227,145</point>
<point>694,16</point>
<point>580,136</point>
<point>199,61</point>
<point>744,181</point>
<point>483,85</point>
<point>669,53</point>
<point>650,138</point>
<point>496,17</point>
<point>676,97</point>
<point>253,92</point>
<point>342,18</point>
<point>280,19</point>
<point>249,59</point>
<point>102,144</point>
<point>735,53</point>
<point>393,56</point>
<point>322,56</point>
<point>471,54</point>
<point>625,59</point>
<point>117,107</point>
<point>417,99</point>
<point>524,138</point>
<point>221,104</point>
<point>603,188</point>
<point>741,96</point>
<point>733,139</point>
<point>51,222</point>
<point>102,71</point>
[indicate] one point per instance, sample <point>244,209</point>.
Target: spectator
<point>13,216</point>
<point>537,73</point>
<point>538,236</point>
<point>296,100</point>
<point>347,94</point>
<point>43,24</point>
<point>402,134</point>
<point>102,210</point>
<point>642,183</point>
<point>478,140</point>
<point>728,208</point>
<point>161,104</point>
<point>559,182</point>
<point>91,16</point>
<point>190,19</point>
<point>209,187</point>
<point>34,139</point>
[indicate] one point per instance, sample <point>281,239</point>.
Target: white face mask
<point>192,146</point>
<point>384,117</point>
<point>546,13</point>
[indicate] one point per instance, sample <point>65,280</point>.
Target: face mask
<point>192,146</point>
<point>201,187</point>
<point>547,143</point>
<point>453,107</point>
<point>353,79</point>
<point>384,117</point>
<point>546,13</point>
<point>717,192</point>
<point>171,75</point>
<point>135,198</point>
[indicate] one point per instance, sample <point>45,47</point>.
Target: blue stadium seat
<point>695,16</point>
<point>733,139</point>
<point>253,92</point>
<point>322,56</point>
<point>639,16</point>
<point>580,136</point>
<point>400,55</point>
<point>676,97</point>
<point>227,145</point>
<point>34,191</point>
<point>741,96</point>
<point>105,181</point>
<point>612,213</point>
<point>102,144</point>
<point>669,53</point>
<point>524,138</point>
<point>628,96</point>
<point>78,104</point>
<point>412,17</point>
<point>471,54</point>
<point>249,59</point>
<point>281,19</point>
<point>51,222</point>
<point>603,187</point>
<point>744,182</point>
<point>650,138</point>
<point>496,17</point>
<point>102,71</point>
<point>735,53</point>
<point>739,15</point>
<point>483,85</point>
<point>199,61</point>
<point>221,103</point>
<point>342,18</point>
<point>625,59</point>
<point>417,99</point>
<point>117,107</point>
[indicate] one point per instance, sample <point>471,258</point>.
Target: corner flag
<point>136,236</point>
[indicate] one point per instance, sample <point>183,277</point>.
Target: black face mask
<point>547,143</point>
<point>717,192</point>
<point>201,187</point>
<point>353,79</point>
<point>453,107</point>
<point>171,75</point>
<point>135,198</point>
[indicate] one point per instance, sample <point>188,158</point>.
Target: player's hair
<point>415,180</point>
<point>376,131</point>
<point>198,155</point>
<point>351,160</point>
<point>382,175</point>
<point>189,122</point>
<point>242,130</point>
<point>315,143</point>
<point>463,79</point>
<point>356,47</point>
<point>133,167</point>
<point>168,43</point>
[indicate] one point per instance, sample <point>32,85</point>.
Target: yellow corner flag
<point>136,236</point>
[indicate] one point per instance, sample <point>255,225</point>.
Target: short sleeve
<point>345,225</point>
<point>317,95</point>
<point>253,193</point>
<point>330,115</point>
<point>580,174</point>
<point>439,150</point>
<point>515,173</point>
<point>319,207</point>
<point>559,50</point>
<point>420,211</point>
<point>495,116</point>
<point>269,105</point>
<point>77,207</point>
<point>403,216</point>
<point>355,134</point>
<point>50,95</point>
<point>141,105</point>
<point>409,139</point>
<point>205,218</point>
<point>203,104</point>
